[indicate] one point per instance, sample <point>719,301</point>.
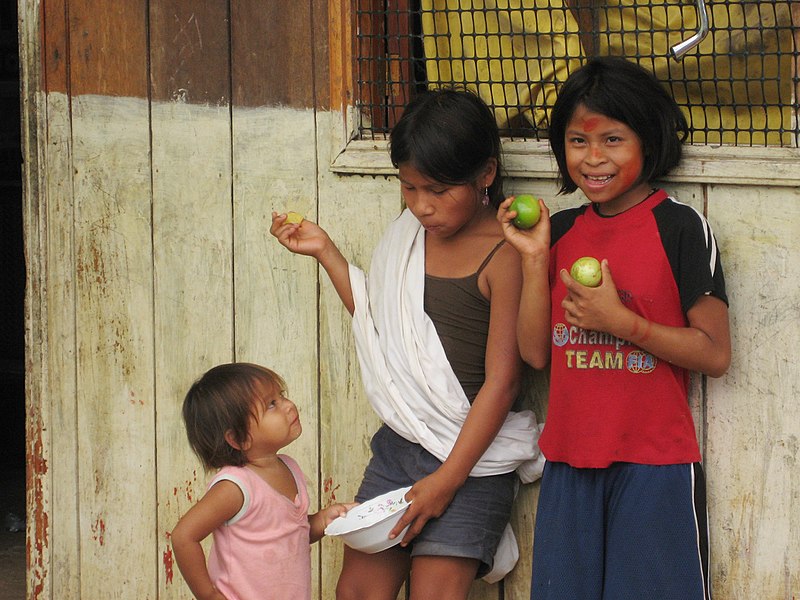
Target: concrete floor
<point>12,544</point>
<point>12,478</point>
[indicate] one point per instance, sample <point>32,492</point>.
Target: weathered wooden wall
<point>159,135</point>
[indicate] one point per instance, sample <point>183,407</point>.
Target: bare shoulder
<point>505,261</point>
<point>503,273</point>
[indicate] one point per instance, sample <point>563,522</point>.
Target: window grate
<point>738,86</point>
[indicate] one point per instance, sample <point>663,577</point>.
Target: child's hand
<point>596,309</point>
<point>320,520</point>
<point>306,238</point>
<point>528,242</point>
<point>334,511</point>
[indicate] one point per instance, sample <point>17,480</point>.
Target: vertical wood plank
<point>753,414</point>
<point>339,74</point>
<point>268,38</point>
<point>108,49</point>
<point>116,447</point>
<point>61,350</point>
<point>41,421</point>
<point>114,299</point>
<point>795,8</point>
<point>192,239</point>
<point>275,169</point>
<point>190,52</point>
<point>347,419</point>
<point>695,196</point>
<point>517,584</point>
<point>62,396</point>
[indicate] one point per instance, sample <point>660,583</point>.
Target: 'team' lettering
<point>584,359</point>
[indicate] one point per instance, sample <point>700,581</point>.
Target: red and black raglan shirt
<point>610,401</point>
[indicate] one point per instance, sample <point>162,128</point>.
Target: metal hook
<point>679,50</point>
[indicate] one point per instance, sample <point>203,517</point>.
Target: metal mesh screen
<point>736,78</point>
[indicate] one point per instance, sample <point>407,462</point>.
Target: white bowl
<point>366,527</point>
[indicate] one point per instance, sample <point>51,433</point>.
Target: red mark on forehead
<point>590,124</point>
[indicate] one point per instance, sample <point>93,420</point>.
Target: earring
<point>485,200</point>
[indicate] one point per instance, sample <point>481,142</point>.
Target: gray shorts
<point>472,525</point>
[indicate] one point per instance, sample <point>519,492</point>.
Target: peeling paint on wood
<point>150,261</point>
<point>168,561</point>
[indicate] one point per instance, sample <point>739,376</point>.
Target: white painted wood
<point>193,316</point>
<point>117,329</point>
<point>37,438</point>
<point>753,411</point>
<point>275,293</point>
<point>518,582</point>
<point>693,195</point>
<point>530,159</point>
<point>114,362</point>
<point>61,335</point>
<point>355,221</point>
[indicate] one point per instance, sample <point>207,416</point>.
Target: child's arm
<point>320,520</point>
<point>220,503</point>
<point>432,495</point>
<point>704,346</point>
<point>533,245</point>
<point>309,239</point>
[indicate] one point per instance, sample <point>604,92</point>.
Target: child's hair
<point>449,135</point>
<point>222,401</point>
<point>624,91</point>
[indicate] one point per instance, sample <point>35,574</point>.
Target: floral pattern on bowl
<point>370,513</point>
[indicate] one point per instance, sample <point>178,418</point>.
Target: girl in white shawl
<point>435,330</point>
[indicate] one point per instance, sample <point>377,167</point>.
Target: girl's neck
<point>275,473</point>
<point>483,222</point>
<point>631,198</point>
<point>264,461</point>
<point>460,255</point>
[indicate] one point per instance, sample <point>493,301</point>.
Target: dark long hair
<point>449,135</point>
<point>223,401</point>
<point>624,91</point>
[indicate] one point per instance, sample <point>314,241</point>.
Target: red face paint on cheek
<point>631,171</point>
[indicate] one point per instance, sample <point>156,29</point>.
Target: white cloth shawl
<point>405,371</point>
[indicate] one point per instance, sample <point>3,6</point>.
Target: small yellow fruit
<point>293,217</point>
<point>586,270</point>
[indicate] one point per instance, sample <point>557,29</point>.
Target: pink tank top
<point>263,552</point>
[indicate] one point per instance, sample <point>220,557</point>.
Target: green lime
<point>527,209</point>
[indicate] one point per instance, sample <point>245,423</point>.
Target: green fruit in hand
<point>527,209</point>
<point>587,271</point>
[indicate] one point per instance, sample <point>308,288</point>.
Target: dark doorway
<point>12,319</point>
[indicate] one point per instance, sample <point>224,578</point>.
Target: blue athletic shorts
<point>472,525</point>
<point>626,532</point>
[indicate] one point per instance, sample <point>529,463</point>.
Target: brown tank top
<point>460,314</point>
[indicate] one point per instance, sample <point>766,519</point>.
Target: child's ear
<point>231,439</point>
<point>490,172</point>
